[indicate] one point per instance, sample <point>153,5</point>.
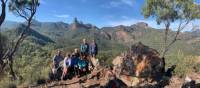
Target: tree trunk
<point>2,18</point>
<point>16,46</point>
<point>1,51</point>
<point>10,63</point>
<point>3,12</point>
<point>10,53</point>
<point>165,39</point>
<point>165,45</point>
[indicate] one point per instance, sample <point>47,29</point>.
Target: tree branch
<point>20,14</point>
<point>180,28</point>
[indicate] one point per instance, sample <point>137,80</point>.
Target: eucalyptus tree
<point>27,10</point>
<point>170,12</point>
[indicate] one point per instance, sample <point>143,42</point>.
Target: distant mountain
<point>71,34</point>
<point>34,36</point>
<point>9,25</point>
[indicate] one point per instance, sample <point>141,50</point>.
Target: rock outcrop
<point>140,61</point>
<point>79,25</point>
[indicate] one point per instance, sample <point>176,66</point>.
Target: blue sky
<point>97,12</point>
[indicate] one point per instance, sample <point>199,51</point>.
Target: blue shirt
<point>57,59</point>
<point>84,48</point>
<point>82,64</point>
<point>74,61</point>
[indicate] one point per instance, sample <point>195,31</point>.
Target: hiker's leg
<point>76,72</point>
<point>83,72</point>
<point>79,73</point>
<point>64,74</point>
<point>94,55</point>
<point>70,72</point>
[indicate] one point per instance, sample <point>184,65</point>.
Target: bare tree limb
<point>20,14</point>
<point>180,28</point>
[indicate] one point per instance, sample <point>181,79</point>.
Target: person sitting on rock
<point>84,47</point>
<point>74,64</point>
<point>93,49</point>
<point>66,65</point>
<point>76,52</point>
<point>83,65</point>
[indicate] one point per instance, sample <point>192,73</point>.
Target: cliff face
<point>79,25</point>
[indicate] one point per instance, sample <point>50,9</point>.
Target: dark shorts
<point>93,53</point>
<point>84,53</point>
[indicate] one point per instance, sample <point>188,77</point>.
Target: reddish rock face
<point>141,61</point>
<point>148,65</point>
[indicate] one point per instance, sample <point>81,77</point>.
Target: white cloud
<point>128,2</point>
<point>118,3</point>
<point>43,2</point>
<point>63,16</point>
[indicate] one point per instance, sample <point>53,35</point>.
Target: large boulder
<point>140,61</point>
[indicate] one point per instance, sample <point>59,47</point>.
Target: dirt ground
<point>175,82</point>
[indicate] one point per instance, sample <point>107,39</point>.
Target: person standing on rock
<point>93,49</point>
<point>84,48</point>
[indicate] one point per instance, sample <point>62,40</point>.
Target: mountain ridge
<point>125,35</point>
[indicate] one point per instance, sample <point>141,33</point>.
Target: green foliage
<point>4,42</point>
<point>171,10</point>
<point>22,4</point>
<point>197,67</point>
<point>33,64</point>
<point>7,83</point>
<point>185,64</point>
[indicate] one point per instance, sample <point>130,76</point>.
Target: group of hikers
<point>76,63</point>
